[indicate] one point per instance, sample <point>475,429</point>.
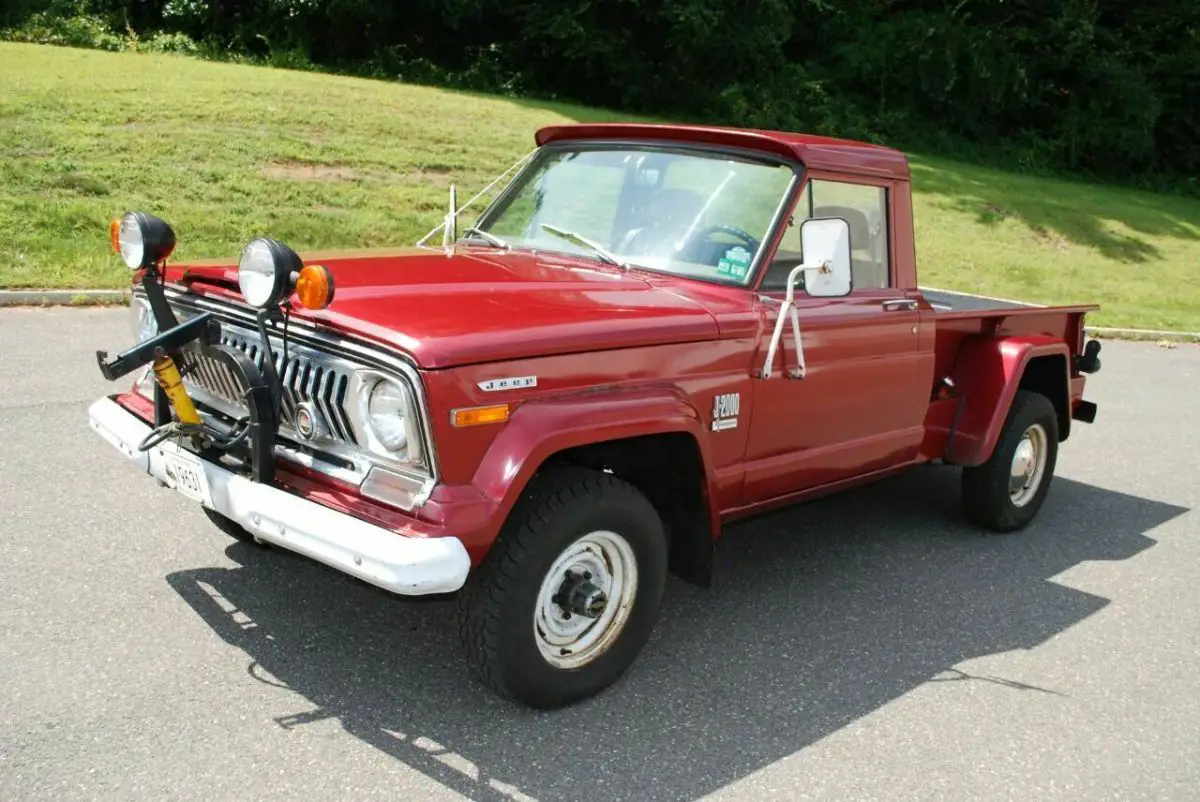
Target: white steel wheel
<point>569,593</point>
<point>1028,465</point>
<point>585,600</point>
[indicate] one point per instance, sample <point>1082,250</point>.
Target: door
<point>861,406</point>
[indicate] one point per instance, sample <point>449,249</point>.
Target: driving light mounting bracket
<point>203,327</point>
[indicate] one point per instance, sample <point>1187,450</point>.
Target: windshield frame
<point>506,197</point>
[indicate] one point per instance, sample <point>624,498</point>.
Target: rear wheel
<point>569,593</point>
<point>1006,492</point>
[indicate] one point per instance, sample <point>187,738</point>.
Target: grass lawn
<point>227,152</point>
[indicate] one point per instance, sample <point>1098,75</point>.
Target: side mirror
<point>826,244</point>
<point>826,271</point>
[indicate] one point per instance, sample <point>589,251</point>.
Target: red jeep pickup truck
<point>650,332</point>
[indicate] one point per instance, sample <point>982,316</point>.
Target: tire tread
<point>482,602</point>
<point>985,487</point>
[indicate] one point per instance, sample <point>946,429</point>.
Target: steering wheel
<point>750,241</point>
<point>647,240</point>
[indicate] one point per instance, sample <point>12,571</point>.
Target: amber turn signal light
<point>314,287</point>
<point>475,416</point>
<point>114,235</point>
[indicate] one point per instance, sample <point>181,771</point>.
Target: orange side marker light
<point>476,416</point>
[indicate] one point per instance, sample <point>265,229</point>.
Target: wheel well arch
<point>668,468</point>
<point>1048,375</point>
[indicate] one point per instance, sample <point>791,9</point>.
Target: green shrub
<point>79,30</point>
<point>1105,89</point>
<point>170,43</point>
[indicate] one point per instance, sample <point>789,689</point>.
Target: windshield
<point>679,211</point>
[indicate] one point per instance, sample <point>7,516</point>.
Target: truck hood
<point>474,305</point>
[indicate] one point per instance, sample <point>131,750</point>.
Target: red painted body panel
<point>566,381</point>
<point>481,305</point>
<point>1061,323</point>
<point>539,430</point>
<point>987,372</point>
<point>815,152</point>
<point>860,407</point>
<point>621,354</point>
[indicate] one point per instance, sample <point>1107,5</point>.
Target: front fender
<point>539,429</point>
<point>988,374</point>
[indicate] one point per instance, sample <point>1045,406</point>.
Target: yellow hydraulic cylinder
<point>171,382</point>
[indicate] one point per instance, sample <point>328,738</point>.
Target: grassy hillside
<point>228,152</point>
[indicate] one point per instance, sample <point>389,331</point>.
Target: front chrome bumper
<point>409,566</point>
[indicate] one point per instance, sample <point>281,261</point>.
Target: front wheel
<point>570,592</point>
<point>1006,492</point>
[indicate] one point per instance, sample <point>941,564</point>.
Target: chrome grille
<point>335,374</point>
<point>305,377</point>
<point>213,377</point>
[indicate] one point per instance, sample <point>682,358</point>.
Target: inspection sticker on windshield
<point>736,262</point>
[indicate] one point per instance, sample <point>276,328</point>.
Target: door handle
<point>900,305</point>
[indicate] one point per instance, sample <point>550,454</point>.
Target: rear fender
<point>540,429</point>
<point>987,373</point>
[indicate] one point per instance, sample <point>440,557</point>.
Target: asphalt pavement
<point>869,646</point>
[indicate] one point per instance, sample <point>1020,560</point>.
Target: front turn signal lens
<point>475,416</point>
<point>114,235</point>
<point>314,287</point>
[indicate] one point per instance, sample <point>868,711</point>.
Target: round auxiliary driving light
<point>267,271</point>
<point>141,239</point>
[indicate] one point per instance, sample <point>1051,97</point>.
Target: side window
<point>865,209</point>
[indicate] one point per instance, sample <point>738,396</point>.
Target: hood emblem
<point>309,425</point>
<point>511,383</point>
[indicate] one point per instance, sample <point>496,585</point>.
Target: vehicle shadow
<point>1078,214</point>
<point>820,615</point>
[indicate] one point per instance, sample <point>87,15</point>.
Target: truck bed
<point>946,301</point>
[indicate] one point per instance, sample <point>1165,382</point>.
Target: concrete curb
<point>1102,332</point>
<point>63,297</point>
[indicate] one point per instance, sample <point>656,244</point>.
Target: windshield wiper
<point>571,236</point>
<point>484,235</point>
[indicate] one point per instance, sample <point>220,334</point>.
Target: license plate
<point>186,474</point>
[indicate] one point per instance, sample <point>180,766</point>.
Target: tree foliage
<point>1111,89</point>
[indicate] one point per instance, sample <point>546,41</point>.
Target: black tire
<point>985,488</point>
<point>230,527</point>
<point>496,609</point>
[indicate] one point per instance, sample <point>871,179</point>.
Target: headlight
<point>387,420</point>
<point>267,272</point>
<point>141,239</point>
<point>144,324</point>
<point>388,414</point>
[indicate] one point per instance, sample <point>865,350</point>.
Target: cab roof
<point>815,152</point>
